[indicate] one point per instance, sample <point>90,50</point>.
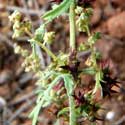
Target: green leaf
<point>82,47</point>
<point>92,40</point>
<point>35,112</point>
<point>51,85</point>
<point>85,110</point>
<point>39,33</point>
<point>50,15</point>
<point>89,71</point>
<point>98,78</point>
<point>40,95</point>
<point>97,36</point>
<point>63,111</point>
<point>44,99</point>
<point>69,85</point>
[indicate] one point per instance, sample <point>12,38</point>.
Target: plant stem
<point>42,46</point>
<point>72,111</point>
<point>72,26</point>
<point>47,50</point>
<point>88,31</point>
<point>72,118</point>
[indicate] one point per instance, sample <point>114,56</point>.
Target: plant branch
<point>47,50</point>
<point>42,46</point>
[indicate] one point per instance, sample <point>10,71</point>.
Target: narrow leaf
<point>63,111</point>
<point>89,71</point>
<point>69,85</point>
<point>44,101</point>
<point>50,15</point>
<point>98,78</point>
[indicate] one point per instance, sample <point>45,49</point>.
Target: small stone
<point>110,115</point>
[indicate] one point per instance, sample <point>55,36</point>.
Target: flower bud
<point>17,49</point>
<point>27,25</point>
<point>78,10</point>
<point>15,16</point>
<point>49,37</point>
<point>82,47</point>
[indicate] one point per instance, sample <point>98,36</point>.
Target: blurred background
<point>17,87</point>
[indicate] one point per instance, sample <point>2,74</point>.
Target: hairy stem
<point>47,50</point>
<point>72,119</point>
<point>72,111</point>
<point>72,26</point>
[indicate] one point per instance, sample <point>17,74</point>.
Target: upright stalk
<point>72,26</point>
<point>72,118</point>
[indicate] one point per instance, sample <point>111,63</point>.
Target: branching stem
<point>47,50</point>
<point>42,46</point>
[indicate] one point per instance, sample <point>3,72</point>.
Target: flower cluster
<point>49,37</point>
<point>19,25</point>
<point>19,50</point>
<point>83,18</point>
<point>32,63</point>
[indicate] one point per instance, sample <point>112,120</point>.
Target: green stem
<point>88,30</point>
<point>42,46</point>
<point>72,26</point>
<point>72,111</point>
<point>47,50</point>
<point>72,118</point>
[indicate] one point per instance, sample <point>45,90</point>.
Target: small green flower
<point>93,39</point>
<point>26,24</point>
<point>82,47</point>
<point>49,37</point>
<point>18,26</point>
<point>84,19</point>
<point>32,63</point>
<point>15,16</point>
<point>82,22</point>
<point>78,10</point>
<point>19,50</point>
<point>17,33</point>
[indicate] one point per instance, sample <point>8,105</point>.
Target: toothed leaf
<point>61,8</point>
